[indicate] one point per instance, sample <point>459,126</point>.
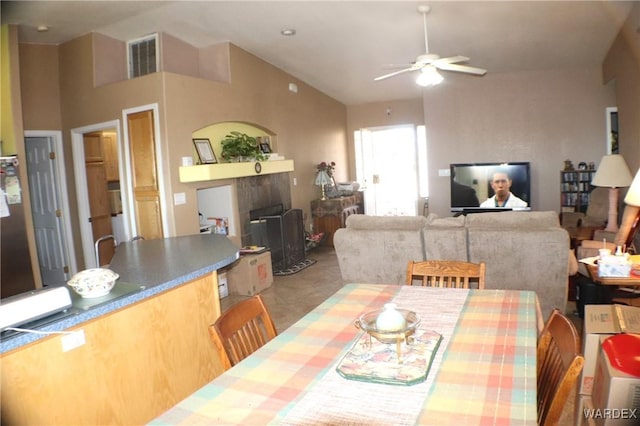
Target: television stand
<point>468,210</point>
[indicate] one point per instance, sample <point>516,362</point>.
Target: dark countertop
<point>146,268</point>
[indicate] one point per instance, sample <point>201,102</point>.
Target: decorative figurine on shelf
<point>568,165</point>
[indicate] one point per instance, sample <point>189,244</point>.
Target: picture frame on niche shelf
<point>264,144</point>
<point>205,151</point>
<point>265,148</point>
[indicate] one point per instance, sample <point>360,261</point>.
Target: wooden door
<point>99,207</point>
<point>146,192</point>
<point>110,147</point>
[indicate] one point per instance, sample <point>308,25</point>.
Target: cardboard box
<point>616,395</point>
<point>223,287</point>
<point>603,320</point>
<point>251,274</point>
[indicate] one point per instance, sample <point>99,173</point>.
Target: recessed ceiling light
<point>288,32</point>
<point>43,28</point>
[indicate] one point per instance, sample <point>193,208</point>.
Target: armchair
<point>596,214</point>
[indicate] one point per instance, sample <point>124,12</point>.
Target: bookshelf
<point>575,190</point>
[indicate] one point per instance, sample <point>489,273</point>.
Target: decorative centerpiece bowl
<point>371,324</point>
<point>95,282</point>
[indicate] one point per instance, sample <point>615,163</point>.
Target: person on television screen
<point>462,195</point>
<point>503,197</point>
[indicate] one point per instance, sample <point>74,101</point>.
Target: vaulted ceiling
<point>340,46</point>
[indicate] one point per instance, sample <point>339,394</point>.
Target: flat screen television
<point>471,185</point>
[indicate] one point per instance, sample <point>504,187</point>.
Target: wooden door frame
<point>77,146</point>
<point>159,166</point>
<point>63,192</point>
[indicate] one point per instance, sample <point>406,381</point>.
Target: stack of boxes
<point>608,395</point>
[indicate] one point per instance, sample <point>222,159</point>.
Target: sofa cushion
<point>526,259</point>
<point>409,223</point>
<point>433,220</point>
<point>378,255</point>
<point>528,219</point>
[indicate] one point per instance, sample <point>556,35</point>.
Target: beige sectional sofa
<point>522,250</point>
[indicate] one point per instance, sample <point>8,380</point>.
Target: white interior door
<point>47,210</point>
<point>387,165</point>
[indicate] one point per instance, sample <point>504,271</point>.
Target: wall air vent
<point>143,55</point>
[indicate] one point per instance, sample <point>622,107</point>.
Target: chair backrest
<point>446,273</point>
<point>559,366</point>
<point>241,330</point>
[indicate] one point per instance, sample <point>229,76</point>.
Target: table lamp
<point>613,173</point>
<point>631,217</point>
<point>322,179</point>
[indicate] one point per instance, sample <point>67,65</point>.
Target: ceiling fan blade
<point>451,60</point>
<point>382,77</point>
<point>461,68</point>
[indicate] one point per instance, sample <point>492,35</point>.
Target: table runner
<point>332,401</point>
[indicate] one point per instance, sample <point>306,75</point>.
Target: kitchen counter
<point>135,352</point>
<point>146,268</point>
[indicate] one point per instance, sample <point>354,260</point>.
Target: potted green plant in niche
<point>237,146</point>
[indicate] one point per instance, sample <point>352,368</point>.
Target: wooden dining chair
<point>241,330</point>
<point>446,273</point>
<point>559,365</point>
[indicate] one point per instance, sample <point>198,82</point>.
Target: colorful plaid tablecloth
<point>484,371</point>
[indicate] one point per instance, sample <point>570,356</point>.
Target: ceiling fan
<point>429,63</point>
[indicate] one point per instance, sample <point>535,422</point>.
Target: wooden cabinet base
<point>137,362</point>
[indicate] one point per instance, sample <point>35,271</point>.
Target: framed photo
<point>265,148</point>
<point>205,152</point>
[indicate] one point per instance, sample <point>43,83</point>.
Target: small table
<point>331,214</point>
<point>619,281</point>
<point>613,295</point>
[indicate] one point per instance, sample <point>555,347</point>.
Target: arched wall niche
<point>216,132</point>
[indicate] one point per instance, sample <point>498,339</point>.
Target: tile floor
<point>293,296</point>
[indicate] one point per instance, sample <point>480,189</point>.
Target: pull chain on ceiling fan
<point>429,63</point>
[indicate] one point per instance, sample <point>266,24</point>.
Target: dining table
<point>482,372</point>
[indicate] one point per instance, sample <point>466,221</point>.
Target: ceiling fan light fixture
<point>429,76</point>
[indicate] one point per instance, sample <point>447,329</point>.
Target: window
<point>143,56</point>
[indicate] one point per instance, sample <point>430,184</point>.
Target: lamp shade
<point>322,178</point>
<point>633,194</point>
<point>613,172</point>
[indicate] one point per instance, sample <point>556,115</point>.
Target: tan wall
<point>541,117</point>
<point>309,125</point>
<point>622,66</point>
<point>40,88</point>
